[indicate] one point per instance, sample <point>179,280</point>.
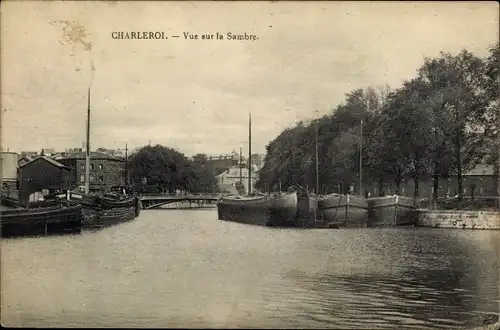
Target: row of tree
<point>440,123</point>
<point>159,169</point>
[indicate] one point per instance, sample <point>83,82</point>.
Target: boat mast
<point>241,170</point>
<point>87,151</point>
<point>249,153</point>
<point>126,164</point>
<point>361,160</point>
<point>317,161</point>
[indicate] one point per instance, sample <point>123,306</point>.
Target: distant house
<point>479,181</point>
<point>23,160</point>
<point>42,173</point>
<point>227,180</point>
<point>223,161</point>
<point>29,153</point>
<point>48,152</point>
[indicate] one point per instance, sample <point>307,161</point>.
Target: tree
<point>492,88</point>
<point>290,158</point>
<point>457,83</point>
<point>435,125</point>
<point>161,169</point>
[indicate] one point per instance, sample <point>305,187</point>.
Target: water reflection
<point>186,269</point>
<point>377,302</point>
<point>442,283</point>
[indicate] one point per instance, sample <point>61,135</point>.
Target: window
<point>82,166</point>
<point>82,178</point>
<point>101,178</point>
<point>91,166</point>
<point>100,166</point>
<point>91,178</point>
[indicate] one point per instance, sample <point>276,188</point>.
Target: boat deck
<point>9,208</point>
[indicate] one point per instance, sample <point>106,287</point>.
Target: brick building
<point>105,170</point>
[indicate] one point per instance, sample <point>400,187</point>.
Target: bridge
<point>157,201</point>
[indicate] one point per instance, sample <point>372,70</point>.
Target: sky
<point>196,95</point>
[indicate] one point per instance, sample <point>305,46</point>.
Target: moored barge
<point>39,219</point>
<point>338,210</point>
<point>392,211</point>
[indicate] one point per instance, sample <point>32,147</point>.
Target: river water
<point>174,268</point>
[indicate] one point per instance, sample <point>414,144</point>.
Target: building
<point>224,161</point>
<point>43,174</point>
<point>29,153</point>
<point>48,152</point>
<point>105,170</point>
<point>23,159</point>
<point>228,179</point>
<point>480,181</point>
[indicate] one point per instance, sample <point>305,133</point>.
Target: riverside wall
<point>459,219</point>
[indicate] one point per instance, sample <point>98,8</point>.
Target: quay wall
<point>459,219</point>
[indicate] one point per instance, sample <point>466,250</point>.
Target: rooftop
<point>47,159</point>
<point>93,155</point>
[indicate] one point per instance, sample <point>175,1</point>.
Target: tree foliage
<point>435,125</point>
<point>161,169</point>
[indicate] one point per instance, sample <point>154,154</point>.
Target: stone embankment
<point>459,219</point>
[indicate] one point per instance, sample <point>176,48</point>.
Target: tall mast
<point>249,153</point>
<point>87,149</point>
<point>361,159</point>
<point>126,164</point>
<point>317,161</point>
<point>241,170</point>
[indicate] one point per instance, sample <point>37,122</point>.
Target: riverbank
<point>458,219</point>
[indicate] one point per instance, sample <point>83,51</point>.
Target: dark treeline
<point>159,169</point>
<point>440,123</point>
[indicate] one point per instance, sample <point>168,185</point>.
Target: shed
<point>43,173</point>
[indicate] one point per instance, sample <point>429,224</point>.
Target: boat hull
<point>44,220</point>
<point>283,211</point>
<point>343,211</point>
<point>391,211</point>
<point>105,211</point>
<point>278,210</point>
<point>249,211</point>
